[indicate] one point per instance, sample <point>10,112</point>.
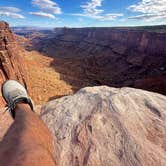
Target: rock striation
<point>11,64</point>
<point>108,127</point>
<point>86,42</point>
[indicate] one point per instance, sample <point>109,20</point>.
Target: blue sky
<point>83,13</point>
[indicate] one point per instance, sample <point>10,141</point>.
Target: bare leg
<point>27,142</point>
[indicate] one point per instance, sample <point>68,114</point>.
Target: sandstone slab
<point>108,127</point>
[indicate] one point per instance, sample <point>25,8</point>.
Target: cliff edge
<point>11,64</point>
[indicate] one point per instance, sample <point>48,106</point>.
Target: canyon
<point>115,57</point>
<point>58,62</point>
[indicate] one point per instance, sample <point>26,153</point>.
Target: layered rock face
<point>107,56</point>
<point>108,126</point>
<point>85,42</point>
<point>11,65</point>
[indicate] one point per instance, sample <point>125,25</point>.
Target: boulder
<point>108,126</point>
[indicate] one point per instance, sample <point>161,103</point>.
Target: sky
<point>83,13</point>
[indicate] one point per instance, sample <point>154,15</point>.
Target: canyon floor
<point>44,82</point>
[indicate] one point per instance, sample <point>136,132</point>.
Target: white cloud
<point>47,6</point>
<point>105,17</point>
<point>150,10</point>
<point>12,12</point>
<point>12,15</point>
<point>149,17</point>
<point>111,16</point>
<point>92,10</point>
<point>91,7</point>
<point>9,9</point>
<point>42,14</point>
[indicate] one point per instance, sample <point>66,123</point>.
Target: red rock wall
<point>11,64</point>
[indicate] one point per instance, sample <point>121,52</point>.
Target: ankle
<point>23,104</point>
<point>21,108</point>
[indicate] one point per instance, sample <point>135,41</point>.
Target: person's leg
<point>28,141</point>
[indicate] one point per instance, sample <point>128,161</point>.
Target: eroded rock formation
<point>108,126</point>
<point>11,65</point>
